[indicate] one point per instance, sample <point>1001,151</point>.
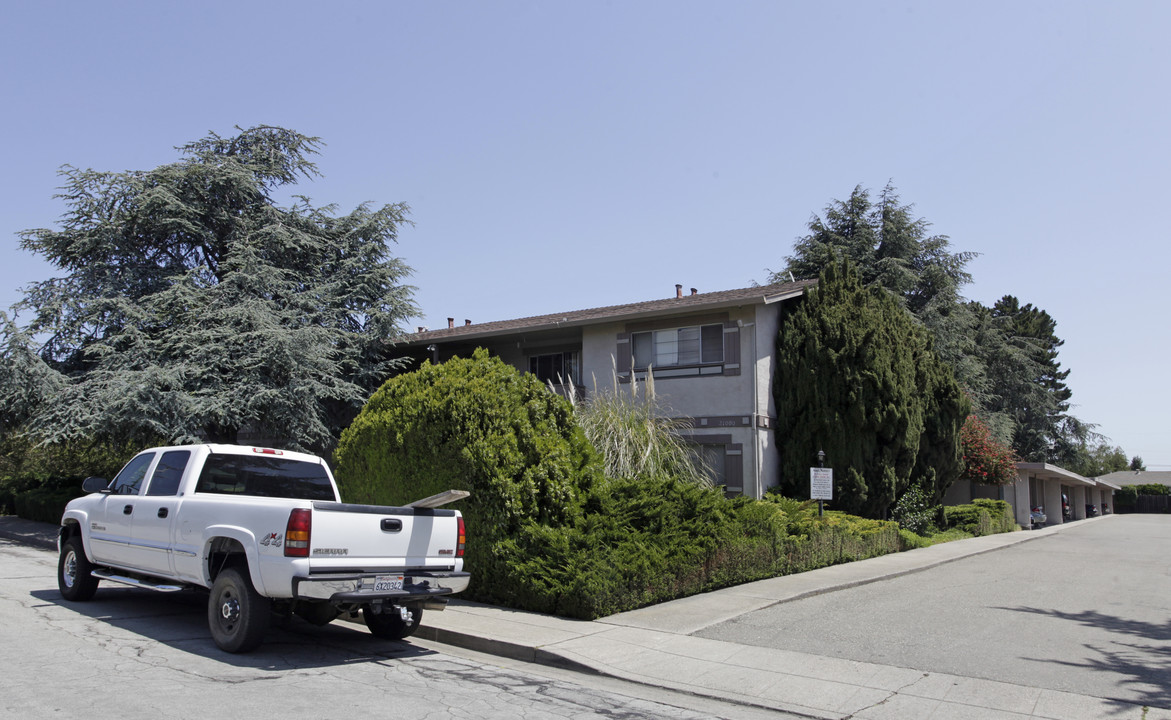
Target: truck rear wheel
<point>237,615</point>
<point>390,625</point>
<point>73,572</point>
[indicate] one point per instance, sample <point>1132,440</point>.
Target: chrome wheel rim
<point>229,610</point>
<point>69,571</point>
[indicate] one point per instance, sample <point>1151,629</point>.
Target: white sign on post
<point>821,483</point>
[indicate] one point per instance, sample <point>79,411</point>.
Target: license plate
<point>387,583</point>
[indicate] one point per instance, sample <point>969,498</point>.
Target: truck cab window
<point>168,473</point>
<point>129,480</point>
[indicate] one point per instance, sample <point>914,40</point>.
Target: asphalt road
<point>1087,610</point>
<point>132,654</point>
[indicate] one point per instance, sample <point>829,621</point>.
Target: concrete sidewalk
<point>654,646</point>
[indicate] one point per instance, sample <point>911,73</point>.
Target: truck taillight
<point>297,533</point>
<point>461,539</point>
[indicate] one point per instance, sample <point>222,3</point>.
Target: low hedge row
<point>42,504</point>
<point>648,540</point>
<point>981,517</point>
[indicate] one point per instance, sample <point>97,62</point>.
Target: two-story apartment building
<point>711,354</point>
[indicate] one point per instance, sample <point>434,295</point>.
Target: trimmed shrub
<point>44,505</point>
<point>981,517</point>
<point>1152,489</point>
<point>473,424</point>
<point>914,510</point>
<point>1125,498</point>
<point>31,474</point>
<point>648,540</point>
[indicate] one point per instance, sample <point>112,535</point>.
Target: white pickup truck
<point>265,531</point>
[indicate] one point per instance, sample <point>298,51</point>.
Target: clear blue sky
<point>559,155</point>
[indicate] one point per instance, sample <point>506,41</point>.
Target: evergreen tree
<point>889,247</point>
<point>856,378</point>
<point>192,307</point>
<point>893,249</point>
<point>1038,399</point>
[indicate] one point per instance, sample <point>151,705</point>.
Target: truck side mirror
<point>95,484</point>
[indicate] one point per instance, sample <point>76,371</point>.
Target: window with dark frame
<point>695,345</point>
<point>557,368</point>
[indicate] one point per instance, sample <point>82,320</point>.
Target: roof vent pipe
<point>450,323</point>
<point>694,291</point>
<point>467,322</point>
<point>678,290</point>
<point>421,329</point>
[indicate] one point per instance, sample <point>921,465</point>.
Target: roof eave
<point>466,333</point>
<point>1053,472</point>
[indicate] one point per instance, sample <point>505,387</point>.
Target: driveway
<point>1084,611</point>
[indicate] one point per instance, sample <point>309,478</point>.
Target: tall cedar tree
<point>857,378</point>
<point>192,307</point>
<point>893,249</point>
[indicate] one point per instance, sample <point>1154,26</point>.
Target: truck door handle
<point>391,525</point>
<point>162,512</point>
<point>128,509</point>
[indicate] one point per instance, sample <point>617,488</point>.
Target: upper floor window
<point>557,368</point>
<point>696,345</point>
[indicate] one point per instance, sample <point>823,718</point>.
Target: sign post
<point>821,483</point>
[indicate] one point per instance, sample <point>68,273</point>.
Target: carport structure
<point>1106,495</point>
<point>1044,484</point>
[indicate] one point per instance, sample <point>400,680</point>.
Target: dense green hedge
<point>37,480</point>
<point>43,505</point>
<point>547,531</point>
<point>1126,499</point>
<point>981,517</point>
<point>648,540</point>
<point>473,424</point>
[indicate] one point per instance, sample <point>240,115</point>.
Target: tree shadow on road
<point>179,620</point>
<point>1144,662</point>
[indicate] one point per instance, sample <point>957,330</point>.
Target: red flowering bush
<point>986,460</point>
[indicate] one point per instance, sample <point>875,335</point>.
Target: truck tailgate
<point>347,536</point>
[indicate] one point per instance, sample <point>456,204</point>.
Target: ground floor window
<point>722,460</point>
<point>558,368</point>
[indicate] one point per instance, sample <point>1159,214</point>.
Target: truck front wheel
<point>73,572</point>
<point>237,614</point>
<point>390,625</point>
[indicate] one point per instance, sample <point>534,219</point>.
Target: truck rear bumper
<point>359,588</point>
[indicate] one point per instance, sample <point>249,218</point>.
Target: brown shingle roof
<point>1138,477</point>
<point>668,306</point>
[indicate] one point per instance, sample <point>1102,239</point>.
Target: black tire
<point>73,572</point>
<point>237,615</point>
<point>390,625</point>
